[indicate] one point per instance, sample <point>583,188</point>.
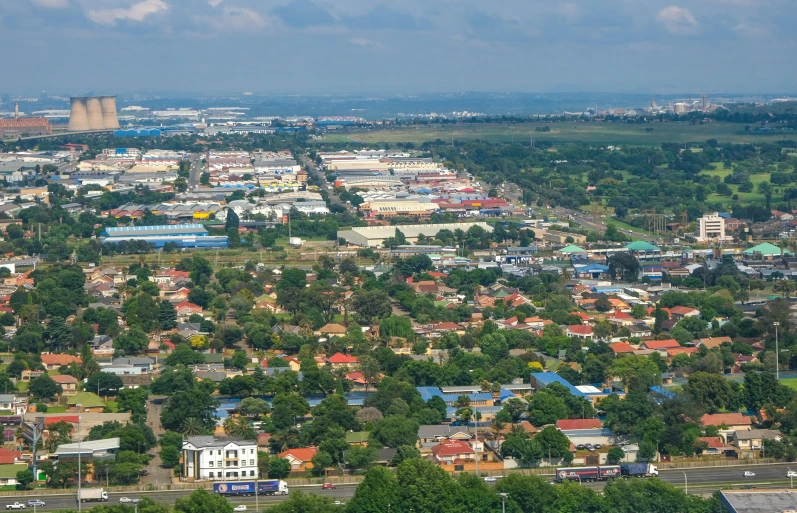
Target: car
<point>16,505</point>
<point>580,447</point>
<point>598,446</point>
<point>328,486</point>
<point>791,473</point>
<point>128,500</point>
<point>490,479</point>
<point>36,503</point>
<point>240,508</point>
<point>747,473</point>
<point>144,472</point>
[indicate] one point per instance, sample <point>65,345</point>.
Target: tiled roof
<point>727,419</point>
<point>621,347</point>
<point>342,358</point>
<point>661,344</point>
<point>452,448</point>
<point>303,454</point>
<point>59,359</point>
<point>571,424</point>
<point>580,329</point>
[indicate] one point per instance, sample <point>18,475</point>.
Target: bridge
<point>59,134</point>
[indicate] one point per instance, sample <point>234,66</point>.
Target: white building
<point>219,459</point>
<point>711,227</point>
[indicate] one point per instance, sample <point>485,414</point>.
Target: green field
<point>745,197</point>
<point>789,382</point>
<point>568,132</point>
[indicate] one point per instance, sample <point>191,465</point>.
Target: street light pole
<point>79,473</point>
<point>686,483</point>
<point>791,476</point>
<point>777,352</point>
<point>503,501</point>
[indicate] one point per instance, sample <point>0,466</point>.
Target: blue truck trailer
<point>247,488</point>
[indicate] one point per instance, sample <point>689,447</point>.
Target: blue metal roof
<point>165,227</point>
<point>546,378</point>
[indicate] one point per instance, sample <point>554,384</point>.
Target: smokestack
<point>94,108</point>
<point>79,116</point>
<point>109,117</point>
<point>16,110</point>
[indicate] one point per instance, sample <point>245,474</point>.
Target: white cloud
<point>136,12</point>
<point>242,18</point>
<point>215,3</point>
<point>51,4</point>
<point>366,43</point>
<point>751,30</point>
<point>678,20</point>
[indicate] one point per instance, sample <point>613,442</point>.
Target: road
<point>196,169</point>
<point>314,169</point>
<point>158,475</point>
<point>699,480</point>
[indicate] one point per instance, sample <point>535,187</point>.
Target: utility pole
<point>79,473</point>
<point>777,352</point>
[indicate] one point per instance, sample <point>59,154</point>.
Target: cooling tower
<point>79,115</point>
<point>109,117</point>
<point>94,108</point>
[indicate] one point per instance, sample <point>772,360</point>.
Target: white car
<point>747,473</point>
<point>16,505</point>
<point>490,479</point>
<point>38,503</point>
<point>240,508</point>
<point>791,473</point>
<point>127,500</point>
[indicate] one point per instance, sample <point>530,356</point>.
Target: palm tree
<point>238,427</point>
<point>192,426</point>
<point>285,440</point>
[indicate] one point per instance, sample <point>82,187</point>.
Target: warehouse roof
<point>169,229</point>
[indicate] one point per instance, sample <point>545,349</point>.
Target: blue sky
<point>402,46</point>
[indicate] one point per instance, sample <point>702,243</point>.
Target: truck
<point>638,470</point>
<point>582,474</point>
<point>249,488</point>
<point>92,495</point>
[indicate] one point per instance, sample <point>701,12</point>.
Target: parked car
<point>38,503</point>
<point>144,472</point>
<point>328,486</point>
<point>598,446</point>
<point>240,508</point>
<point>747,473</point>
<point>16,505</point>
<point>580,447</point>
<point>490,479</point>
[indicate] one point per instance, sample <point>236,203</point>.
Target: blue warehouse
<point>185,235</point>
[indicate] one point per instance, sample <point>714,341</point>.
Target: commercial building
<point>184,235</point>
<point>711,227</point>
<point>758,501</point>
<point>17,127</point>
<point>374,236</point>
<point>88,450</point>
<point>219,459</point>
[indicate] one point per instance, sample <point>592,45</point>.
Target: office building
<point>711,227</point>
<point>219,459</point>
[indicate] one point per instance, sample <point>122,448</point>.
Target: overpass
<point>59,134</point>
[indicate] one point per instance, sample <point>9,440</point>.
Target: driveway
<point>157,474</point>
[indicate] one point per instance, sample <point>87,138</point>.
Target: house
<point>68,384</point>
<point>300,458</point>
<point>141,362</point>
<point>453,451</point>
<point>17,405</point>
<point>576,424</point>
<point>219,458</point>
<point>286,329</point>
<point>432,434</point>
<point>712,342</point>
<point>621,318</point>
<point>340,360</point>
<point>754,439</point>
<point>186,309</point>
<point>679,312</point>
<point>731,421</point>
<point>714,445</point>
<point>9,456</point>
<point>331,330</point>
<point>8,473</point>
<point>661,346</point>
<point>681,350</point>
<point>579,331</point>
<point>28,375</point>
<point>53,361</point>
<point>85,402</point>
<point>263,440</point>
<point>621,348</point>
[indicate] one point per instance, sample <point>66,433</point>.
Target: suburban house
<point>52,361</point>
<point>621,348</point>
<point>300,458</point>
<point>679,312</point>
<point>141,362</point>
<point>712,342</point>
<point>219,458</point>
<point>578,424</point>
<point>714,445</point>
<point>754,439</point>
<point>660,346</point>
<point>340,360</point>
<point>579,331</point>
<point>13,403</point>
<point>453,451</point>
<point>85,402</point>
<point>331,330</point>
<point>432,434</point>
<point>728,423</point>
<point>68,383</point>
<point>186,309</point>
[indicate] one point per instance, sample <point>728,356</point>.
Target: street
<point>157,474</point>
<point>313,169</point>
<point>196,169</point>
<point>699,480</point>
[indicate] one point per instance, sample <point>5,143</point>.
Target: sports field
<point>652,134</point>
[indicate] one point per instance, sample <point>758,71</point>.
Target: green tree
<point>170,456</point>
<point>44,387</point>
<point>202,501</point>
<point>377,492</point>
<point>361,458</point>
<point>278,468</point>
<point>24,479</point>
<point>167,315</point>
<point>394,431</point>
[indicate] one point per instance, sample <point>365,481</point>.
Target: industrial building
<point>93,113</point>
<point>18,127</point>
<point>374,236</point>
<point>184,235</point>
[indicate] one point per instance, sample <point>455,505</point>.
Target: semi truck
<point>92,495</point>
<point>639,470</point>
<point>247,488</point>
<point>601,473</point>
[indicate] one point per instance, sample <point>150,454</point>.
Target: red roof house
<point>670,343</point>
<point>579,331</point>
<point>52,361</point>
<point>621,347</point>
<point>451,451</point>
<point>575,424</point>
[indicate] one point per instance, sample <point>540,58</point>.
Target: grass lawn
<point>569,132</point>
<point>789,382</point>
<point>23,386</point>
<point>113,405</point>
<point>56,409</point>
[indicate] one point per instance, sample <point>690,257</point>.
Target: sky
<point>398,47</point>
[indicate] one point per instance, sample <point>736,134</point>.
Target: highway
<point>699,480</point>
